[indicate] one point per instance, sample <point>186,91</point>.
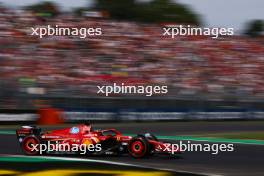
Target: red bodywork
<point>64,135</point>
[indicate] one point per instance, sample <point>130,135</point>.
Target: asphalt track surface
<point>246,160</point>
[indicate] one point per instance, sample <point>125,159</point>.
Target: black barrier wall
<point>81,109</point>
<point>146,104</point>
<point>156,104</point>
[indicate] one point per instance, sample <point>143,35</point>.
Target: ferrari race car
<point>82,139</point>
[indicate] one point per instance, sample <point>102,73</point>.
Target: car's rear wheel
<point>138,147</point>
<point>30,145</point>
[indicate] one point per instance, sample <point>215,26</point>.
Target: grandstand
<point>127,52</point>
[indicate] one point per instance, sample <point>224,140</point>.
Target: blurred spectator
<point>126,52</point>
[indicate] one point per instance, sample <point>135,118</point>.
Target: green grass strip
<point>25,159</point>
<point>7,132</point>
<point>210,139</point>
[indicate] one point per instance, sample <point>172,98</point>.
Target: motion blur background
<point>54,80</point>
<point>207,78</point>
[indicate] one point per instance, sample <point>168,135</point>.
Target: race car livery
<point>100,142</point>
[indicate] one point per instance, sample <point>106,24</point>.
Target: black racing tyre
<point>28,143</point>
<point>138,147</point>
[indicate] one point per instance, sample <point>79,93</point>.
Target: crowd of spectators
<point>126,52</point>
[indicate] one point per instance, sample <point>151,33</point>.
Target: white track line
<point>109,162</point>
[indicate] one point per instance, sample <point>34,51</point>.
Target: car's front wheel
<point>139,147</point>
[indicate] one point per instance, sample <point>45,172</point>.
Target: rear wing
<point>26,131</point>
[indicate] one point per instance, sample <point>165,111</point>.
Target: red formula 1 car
<point>97,142</point>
